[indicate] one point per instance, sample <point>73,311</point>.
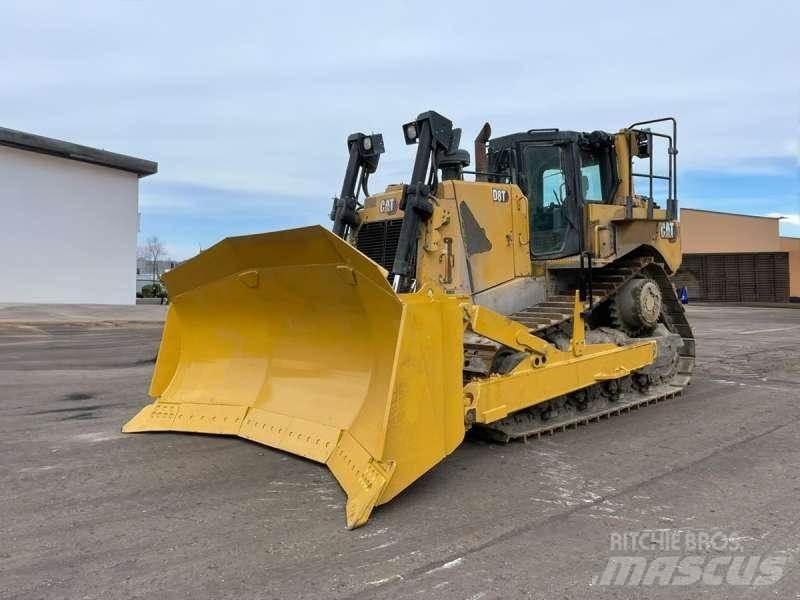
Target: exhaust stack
<point>481,158</point>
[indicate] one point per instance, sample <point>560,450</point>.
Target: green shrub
<point>154,290</point>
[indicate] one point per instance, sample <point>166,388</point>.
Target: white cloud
<point>793,148</point>
<point>258,96</point>
<point>786,218</point>
<point>252,102</point>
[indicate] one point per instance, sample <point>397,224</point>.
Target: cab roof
<point>545,135</point>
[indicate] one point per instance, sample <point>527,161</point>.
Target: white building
<point>68,221</point>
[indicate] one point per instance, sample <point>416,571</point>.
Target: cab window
<point>597,174</point>
<point>592,187</point>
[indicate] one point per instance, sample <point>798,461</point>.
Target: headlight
<point>411,131</point>
<point>366,143</point>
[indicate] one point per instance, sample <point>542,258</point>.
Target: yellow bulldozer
<point>533,298</point>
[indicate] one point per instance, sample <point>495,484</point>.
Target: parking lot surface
<point>87,512</point>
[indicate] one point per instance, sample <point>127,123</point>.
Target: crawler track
<point>552,318</point>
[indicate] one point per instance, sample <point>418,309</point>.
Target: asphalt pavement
<point>87,512</point>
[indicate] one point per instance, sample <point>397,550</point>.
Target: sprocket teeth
<point>618,323</point>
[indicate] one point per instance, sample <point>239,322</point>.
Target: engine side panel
<point>477,238</point>
<point>609,235</point>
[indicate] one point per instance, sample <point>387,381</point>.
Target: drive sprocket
<point>636,307</point>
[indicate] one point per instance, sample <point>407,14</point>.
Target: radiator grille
<point>379,239</point>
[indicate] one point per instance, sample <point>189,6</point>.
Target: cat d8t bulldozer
<point>535,298</point>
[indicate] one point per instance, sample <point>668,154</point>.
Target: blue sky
<point>246,105</point>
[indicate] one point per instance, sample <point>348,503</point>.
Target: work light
<point>410,132</point>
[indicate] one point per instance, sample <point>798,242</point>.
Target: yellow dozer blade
<point>296,340</point>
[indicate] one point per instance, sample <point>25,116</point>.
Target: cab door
<point>548,172</point>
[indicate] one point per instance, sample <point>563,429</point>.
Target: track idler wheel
<point>636,307</point>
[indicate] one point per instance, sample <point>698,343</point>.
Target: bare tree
<point>153,251</point>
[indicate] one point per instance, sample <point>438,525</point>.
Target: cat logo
<point>499,195</point>
<point>387,206</point>
<point>667,230</point>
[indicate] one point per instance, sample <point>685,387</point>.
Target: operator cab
<point>558,171</point>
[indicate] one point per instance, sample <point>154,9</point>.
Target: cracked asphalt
<point>86,512</point>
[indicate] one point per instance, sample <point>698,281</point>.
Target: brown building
<point>791,246</point>
<point>737,258</point>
